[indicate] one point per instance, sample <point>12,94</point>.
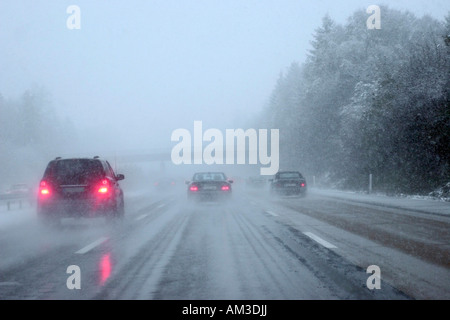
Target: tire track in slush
<point>140,276</point>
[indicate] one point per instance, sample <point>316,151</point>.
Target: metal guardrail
<point>11,198</point>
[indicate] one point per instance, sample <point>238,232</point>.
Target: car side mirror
<point>187,182</point>
<point>230,180</point>
<point>120,177</point>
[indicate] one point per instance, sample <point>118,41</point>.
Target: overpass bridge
<point>161,156</point>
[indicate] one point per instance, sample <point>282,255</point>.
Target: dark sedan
<point>209,186</point>
<point>288,183</point>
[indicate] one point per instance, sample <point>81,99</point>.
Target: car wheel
<point>116,214</point>
<point>48,219</point>
<point>190,198</point>
<point>121,210</point>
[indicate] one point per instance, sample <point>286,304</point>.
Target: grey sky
<point>146,68</point>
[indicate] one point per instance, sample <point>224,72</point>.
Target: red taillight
<point>225,188</point>
<point>104,186</point>
<point>302,184</point>
<point>193,188</point>
<point>44,189</point>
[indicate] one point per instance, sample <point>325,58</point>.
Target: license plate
<point>210,188</point>
<point>73,190</point>
<point>290,185</point>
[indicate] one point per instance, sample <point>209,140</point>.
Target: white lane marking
<point>91,246</point>
<point>160,206</point>
<point>142,216</point>
<point>326,244</point>
<point>9,283</point>
<point>272,213</point>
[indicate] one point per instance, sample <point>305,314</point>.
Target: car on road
<point>18,191</point>
<point>80,187</point>
<point>165,184</point>
<point>209,186</point>
<point>256,182</point>
<point>288,183</point>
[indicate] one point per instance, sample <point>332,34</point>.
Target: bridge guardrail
<point>11,198</point>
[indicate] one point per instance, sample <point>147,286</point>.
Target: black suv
<point>288,183</point>
<point>80,187</point>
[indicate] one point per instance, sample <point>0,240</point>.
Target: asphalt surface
<point>252,247</point>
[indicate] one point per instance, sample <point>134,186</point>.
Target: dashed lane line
<point>91,246</point>
<point>326,244</point>
<point>272,213</point>
<point>142,216</point>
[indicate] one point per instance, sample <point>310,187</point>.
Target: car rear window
<point>209,176</point>
<point>290,175</point>
<point>75,171</point>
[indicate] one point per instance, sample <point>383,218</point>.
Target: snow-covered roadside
<point>442,193</point>
<point>413,203</point>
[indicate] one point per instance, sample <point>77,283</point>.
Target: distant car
<point>209,186</point>
<point>288,183</point>
<point>80,187</point>
<point>165,184</point>
<point>256,182</point>
<point>20,190</point>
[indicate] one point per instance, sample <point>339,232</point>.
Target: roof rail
<point>57,158</point>
<point>96,157</point>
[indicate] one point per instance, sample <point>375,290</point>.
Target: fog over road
<point>253,247</point>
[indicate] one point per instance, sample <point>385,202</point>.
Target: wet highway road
<point>253,247</point>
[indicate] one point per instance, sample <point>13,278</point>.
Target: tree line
<point>31,133</point>
<point>368,101</point>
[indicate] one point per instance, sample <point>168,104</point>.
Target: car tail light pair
<point>44,189</point>
<point>195,188</point>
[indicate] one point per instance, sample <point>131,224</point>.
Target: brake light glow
<point>43,188</point>
<point>302,184</point>
<point>225,188</point>
<point>193,188</point>
<point>104,186</point>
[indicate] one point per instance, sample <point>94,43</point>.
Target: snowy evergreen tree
<point>369,102</point>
